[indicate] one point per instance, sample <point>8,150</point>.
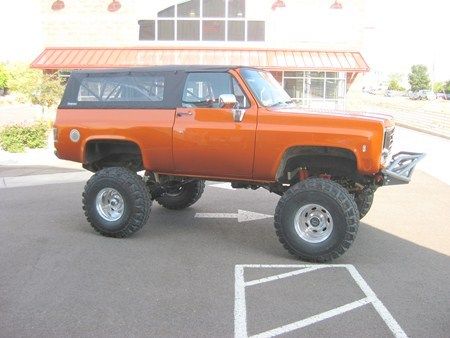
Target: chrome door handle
<point>238,114</point>
<point>184,113</point>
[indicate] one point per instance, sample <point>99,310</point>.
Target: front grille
<point>388,138</point>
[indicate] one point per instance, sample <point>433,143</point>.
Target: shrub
<point>395,80</point>
<point>3,76</point>
<point>395,85</point>
<point>15,138</point>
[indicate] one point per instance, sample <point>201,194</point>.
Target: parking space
<point>176,277</point>
<point>305,296</point>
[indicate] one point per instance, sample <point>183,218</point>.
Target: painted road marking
<point>242,215</point>
<point>33,180</point>
<point>222,186</point>
<point>240,310</point>
<point>283,275</point>
<point>313,319</point>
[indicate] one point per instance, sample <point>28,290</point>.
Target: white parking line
<point>313,319</point>
<point>283,275</point>
<point>240,311</point>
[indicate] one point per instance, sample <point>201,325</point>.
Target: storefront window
<point>213,8</point>
<point>188,30</point>
<point>334,89</point>
<point>189,9</point>
<point>236,9</point>
<point>147,30</point>
<point>236,31</point>
<point>316,89</point>
<point>166,30</point>
<point>167,13</point>
<point>294,87</point>
<point>294,74</point>
<point>213,30</point>
<point>203,20</point>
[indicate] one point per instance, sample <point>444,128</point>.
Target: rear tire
<point>116,202</point>
<point>364,202</point>
<point>188,194</point>
<point>316,220</point>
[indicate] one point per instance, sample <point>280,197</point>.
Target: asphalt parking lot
<point>183,275</point>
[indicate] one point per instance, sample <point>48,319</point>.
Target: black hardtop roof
<point>172,68</point>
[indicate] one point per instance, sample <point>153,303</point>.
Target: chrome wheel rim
<point>313,223</point>
<point>109,204</point>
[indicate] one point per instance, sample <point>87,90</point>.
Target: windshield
<point>267,90</point>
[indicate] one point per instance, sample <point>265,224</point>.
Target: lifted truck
<point>186,124</point>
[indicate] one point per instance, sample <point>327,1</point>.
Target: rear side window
<point>124,88</point>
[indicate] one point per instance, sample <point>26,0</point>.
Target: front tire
<point>316,220</point>
<point>116,202</point>
<point>184,197</point>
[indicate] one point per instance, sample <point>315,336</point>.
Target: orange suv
<point>183,125</point>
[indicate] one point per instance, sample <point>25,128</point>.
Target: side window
<point>126,88</point>
<point>204,89</point>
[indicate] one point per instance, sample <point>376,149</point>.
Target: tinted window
<point>204,89</point>
<point>121,89</point>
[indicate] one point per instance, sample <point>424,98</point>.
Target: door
<point>207,140</point>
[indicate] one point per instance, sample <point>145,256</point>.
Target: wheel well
<point>318,160</point>
<point>112,153</point>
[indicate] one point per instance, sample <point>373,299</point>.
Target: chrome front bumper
<point>401,167</point>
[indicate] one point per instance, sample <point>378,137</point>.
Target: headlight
<point>387,144</point>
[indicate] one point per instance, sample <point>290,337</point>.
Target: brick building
<point>312,47</point>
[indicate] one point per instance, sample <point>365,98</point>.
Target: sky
<point>398,34</point>
<point>401,33</point>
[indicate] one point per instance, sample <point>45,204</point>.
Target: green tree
<point>34,86</point>
<point>447,87</point>
<point>394,82</point>
<point>438,87</point>
<point>47,91</point>
<point>418,78</point>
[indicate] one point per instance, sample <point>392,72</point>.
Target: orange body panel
<point>150,129</point>
<point>279,130</point>
<point>206,141</point>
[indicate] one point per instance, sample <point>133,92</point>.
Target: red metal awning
<point>270,59</point>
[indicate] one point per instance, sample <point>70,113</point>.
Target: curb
<point>35,180</point>
<point>425,131</point>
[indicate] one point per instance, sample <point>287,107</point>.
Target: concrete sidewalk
<point>431,117</point>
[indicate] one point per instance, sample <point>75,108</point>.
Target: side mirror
<point>227,101</point>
